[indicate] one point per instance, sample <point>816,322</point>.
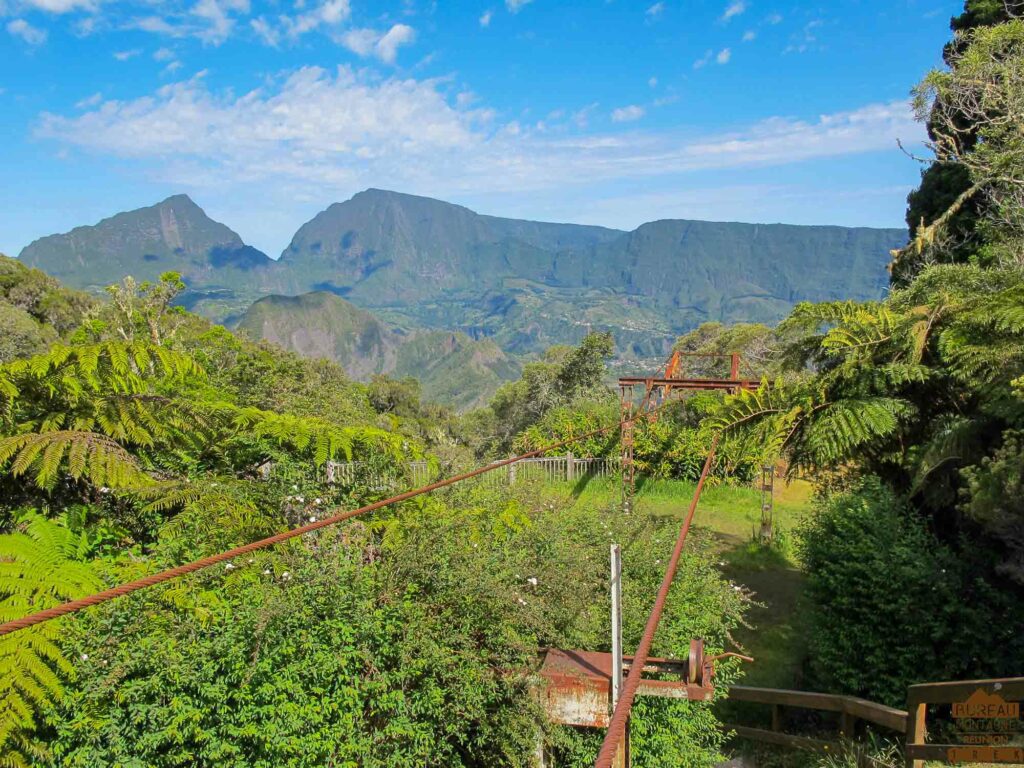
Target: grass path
<point>731,515</point>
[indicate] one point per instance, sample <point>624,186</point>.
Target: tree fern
<point>39,567</point>
<point>80,455</point>
<point>833,432</point>
<point>320,439</point>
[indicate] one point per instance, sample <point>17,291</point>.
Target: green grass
<point>731,515</point>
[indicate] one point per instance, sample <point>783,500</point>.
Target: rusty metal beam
<point>629,381</point>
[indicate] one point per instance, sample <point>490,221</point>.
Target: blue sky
<point>607,112</point>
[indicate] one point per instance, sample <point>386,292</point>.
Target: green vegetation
<point>909,412</point>
<point>139,441</point>
<point>223,274</point>
<point>530,285</point>
<point>135,436</point>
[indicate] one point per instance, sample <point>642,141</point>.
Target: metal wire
<point>620,717</point>
<point>106,595</point>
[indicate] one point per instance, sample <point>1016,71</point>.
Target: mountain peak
<point>180,200</point>
<point>172,235</point>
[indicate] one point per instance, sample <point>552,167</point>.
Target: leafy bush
<point>892,605</point>
<point>407,640</point>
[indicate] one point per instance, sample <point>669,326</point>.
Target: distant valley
<point>452,368</point>
<point>394,283</point>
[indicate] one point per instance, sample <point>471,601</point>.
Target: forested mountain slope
<point>530,284</point>
<point>175,235</point>
<point>419,262</point>
<point>451,367</point>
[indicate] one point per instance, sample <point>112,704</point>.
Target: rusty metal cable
<point>106,595</point>
<point>620,717</point>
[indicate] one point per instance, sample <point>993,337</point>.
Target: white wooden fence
<point>566,468</point>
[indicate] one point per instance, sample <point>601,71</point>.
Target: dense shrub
<point>408,641</point>
<point>891,605</point>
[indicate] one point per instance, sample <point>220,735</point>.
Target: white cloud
<point>366,42</point>
<point>627,114</point>
<point>265,31</point>
<point>159,26</point>
<point>514,6</point>
<point>360,41</point>
<point>485,18</point>
<point>216,15</point>
<point>90,101</point>
<point>171,68</point>
<point>126,55</point>
<point>28,33</point>
<point>806,39</point>
<point>399,35</point>
<point>703,60</point>
<point>723,56</point>
<point>60,6</point>
<point>656,10</point>
<point>581,117</point>
<point>749,36</point>
<point>345,130</point>
<point>775,18</point>
<point>734,8</point>
<point>652,82</point>
<point>335,11</point>
<point>163,54</point>
<point>330,13</point>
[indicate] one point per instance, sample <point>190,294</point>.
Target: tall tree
<point>946,185</point>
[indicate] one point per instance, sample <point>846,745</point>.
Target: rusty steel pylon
<point>657,390</point>
<point>626,440</point>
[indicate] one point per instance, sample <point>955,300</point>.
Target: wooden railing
<point>978,699</point>
<point>850,709</point>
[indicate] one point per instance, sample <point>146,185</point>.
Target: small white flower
<point>738,588</point>
<point>229,566</point>
<point>266,572</point>
<point>251,560</point>
<point>295,487</point>
<point>300,499</point>
<point>312,518</point>
<point>85,657</point>
<point>316,501</point>
<point>532,581</point>
<point>521,601</point>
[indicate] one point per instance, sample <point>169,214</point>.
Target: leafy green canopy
<point>893,604</point>
<point>406,641</point>
<point>131,430</point>
<point>566,375</point>
<point>969,200</point>
<point>923,393</point>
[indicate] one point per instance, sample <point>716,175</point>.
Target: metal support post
<point>622,756</point>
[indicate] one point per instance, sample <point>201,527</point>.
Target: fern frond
<point>97,458</point>
<point>838,429</point>
<point>38,569</point>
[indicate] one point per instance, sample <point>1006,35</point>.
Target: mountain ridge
<point>418,263</point>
